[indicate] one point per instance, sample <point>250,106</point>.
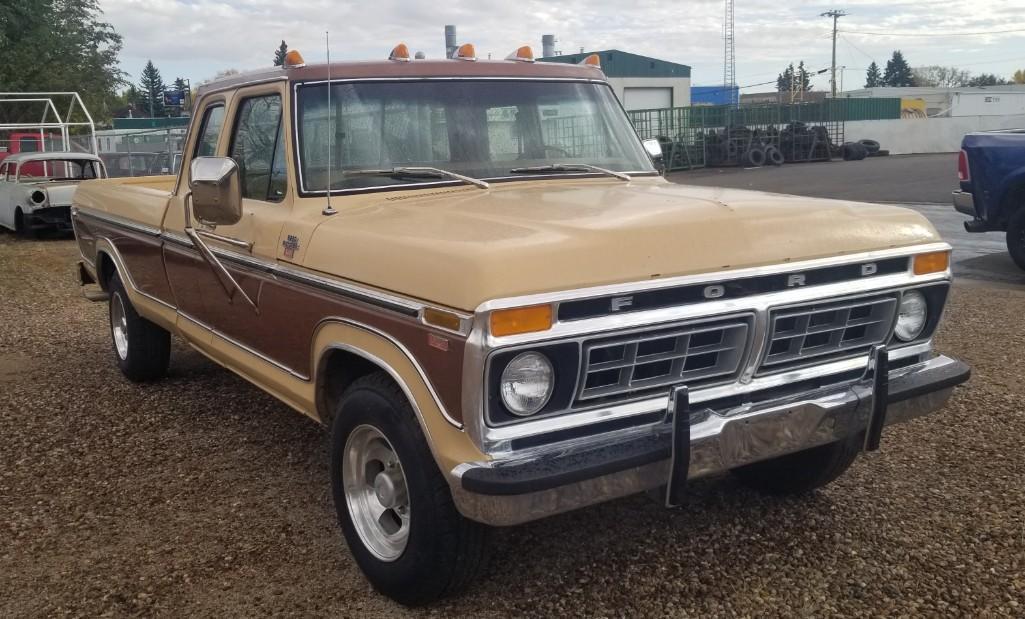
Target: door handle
<point>223,276</point>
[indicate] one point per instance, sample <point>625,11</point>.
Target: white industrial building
<point>1006,100</point>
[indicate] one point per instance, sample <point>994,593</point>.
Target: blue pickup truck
<point>991,169</point>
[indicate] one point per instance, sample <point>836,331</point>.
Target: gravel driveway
<point>201,496</point>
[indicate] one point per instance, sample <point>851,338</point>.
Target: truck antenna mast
<point>330,125</point>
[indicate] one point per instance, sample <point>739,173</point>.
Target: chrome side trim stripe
<point>359,293</point>
<point>115,220</point>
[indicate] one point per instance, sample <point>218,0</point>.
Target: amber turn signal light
<point>522,54</point>
<point>521,320</point>
<point>932,262</point>
<point>592,61</point>
<point>441,318</point>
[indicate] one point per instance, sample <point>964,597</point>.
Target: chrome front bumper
<point>560,478</point>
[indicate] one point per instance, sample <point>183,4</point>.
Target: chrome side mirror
<point>216,192</point>
<point>653,148</point>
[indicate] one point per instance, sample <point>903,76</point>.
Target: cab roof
<point>447,68</point>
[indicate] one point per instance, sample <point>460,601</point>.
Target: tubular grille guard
<point>822,331</point>
<point>692,354</point>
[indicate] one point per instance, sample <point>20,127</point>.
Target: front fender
<point>449,444</point>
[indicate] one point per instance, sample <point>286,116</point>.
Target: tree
<point>152,88</point>
<point>872,77</point>
<point>61,45</point>
<point>987,79</point>
<point>898,73</point>
<point>1019,76</point>
<point>279,54</point>
<point>786,81</point>
<point>943,77</point>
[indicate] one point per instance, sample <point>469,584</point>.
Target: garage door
<point>647,98</point>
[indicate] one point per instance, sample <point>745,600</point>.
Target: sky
<point>195,39</point>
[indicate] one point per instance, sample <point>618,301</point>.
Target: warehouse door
<point>647,98</point>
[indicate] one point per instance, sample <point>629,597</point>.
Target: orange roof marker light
<point>294,60</point>
<point>400,53</point>
<point>523,54</point>
<point>466,51</point>
<point>592,61</point>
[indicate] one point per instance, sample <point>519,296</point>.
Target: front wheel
<point>1016,237</point>
<point>393,504</point>
<point>804,471</point>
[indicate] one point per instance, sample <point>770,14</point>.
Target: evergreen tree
<point>785,79</point>
<point>873,78</point>
<point>803,78</point>
<point>790,77</point>
<point>151,87</point>
<point>898,72</point>
<point>987,79</point>
<point>279,54</point>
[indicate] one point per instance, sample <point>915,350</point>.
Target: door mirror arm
<point>223,276</point>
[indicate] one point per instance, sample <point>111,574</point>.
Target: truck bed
<point>142,199</point>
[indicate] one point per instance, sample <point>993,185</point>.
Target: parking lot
<point>201,495</point>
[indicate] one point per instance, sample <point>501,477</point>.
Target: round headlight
<point>38,197</point>
<point>527,383</point>
<point>913,312</point>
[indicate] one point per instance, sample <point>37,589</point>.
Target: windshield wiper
<point>417,172</point>
<point>569,167</point>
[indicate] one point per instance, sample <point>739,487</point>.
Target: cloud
<point>197,38</point>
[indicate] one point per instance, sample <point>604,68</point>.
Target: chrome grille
<point>691,353</point>
<point>817,332</point>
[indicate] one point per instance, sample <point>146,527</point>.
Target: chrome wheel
<point>376,492</point>
<point>119,325</point>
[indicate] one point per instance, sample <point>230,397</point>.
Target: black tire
<point>755,157</point>
<point>803,471</point>
<point>1016,237</point>
<point>870,145</point>
<point>146,351</point>
<point>773,156</point>
<point>443,550</point>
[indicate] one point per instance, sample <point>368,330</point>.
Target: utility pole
<point>835,14</point>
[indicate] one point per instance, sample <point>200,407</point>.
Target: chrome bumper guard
<point>544,482</point>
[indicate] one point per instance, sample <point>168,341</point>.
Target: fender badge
<point>436,341</point>
<point>291,243</point>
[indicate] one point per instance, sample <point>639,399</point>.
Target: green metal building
<point>640,82</point>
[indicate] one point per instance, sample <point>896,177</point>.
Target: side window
<point>213,120</point>
<point>3,171</point>
<point>257,146</point>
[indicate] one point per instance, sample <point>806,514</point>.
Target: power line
<point>931,34</point>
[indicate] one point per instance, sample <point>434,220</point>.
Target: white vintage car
<point>36,188</point>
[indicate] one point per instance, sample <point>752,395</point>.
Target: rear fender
<point>147,306</point>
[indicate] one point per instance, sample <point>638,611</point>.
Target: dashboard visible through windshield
<point>484,129</point>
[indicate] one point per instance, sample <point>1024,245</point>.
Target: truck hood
<point>461,247</point>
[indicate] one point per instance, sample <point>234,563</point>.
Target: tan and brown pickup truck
<point>472,273</point>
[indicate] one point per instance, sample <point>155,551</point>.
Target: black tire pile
<point>748,147</point>
<point>856,151</point>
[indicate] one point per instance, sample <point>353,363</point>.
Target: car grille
<point>694,354</point>
<point>820,332</point>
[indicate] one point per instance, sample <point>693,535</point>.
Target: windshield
<point>60,170</point>
<point>481,129</point>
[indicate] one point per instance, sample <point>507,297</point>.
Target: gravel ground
<point>202,496</point>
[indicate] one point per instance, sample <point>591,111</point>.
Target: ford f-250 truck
<point>991,172</point>
<point>471,272</point>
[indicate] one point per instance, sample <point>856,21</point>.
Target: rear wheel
<point>1016,237</point>
<point>393,504</point>
<point>141,348</point>
<point>803,471</point>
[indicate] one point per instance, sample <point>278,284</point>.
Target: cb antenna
<point>330,125</point>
